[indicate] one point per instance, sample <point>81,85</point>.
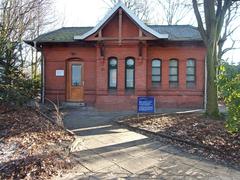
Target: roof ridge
<point>170,25</point>
<point>78,27</point>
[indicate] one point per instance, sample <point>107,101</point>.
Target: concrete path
<point>107,151</point>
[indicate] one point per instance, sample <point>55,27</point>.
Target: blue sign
<point>146,104</point>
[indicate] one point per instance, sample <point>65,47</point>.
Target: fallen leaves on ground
<point>31,147</point>
<point>195,128</point>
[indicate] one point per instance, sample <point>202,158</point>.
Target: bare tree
<point>229,27</point>
<point>174,11</point>
<point>141,8</point>
<point>42,21</point>
<point>210,25</point>
<point>20,19</point>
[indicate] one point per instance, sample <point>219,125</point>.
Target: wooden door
<point>75,81</point>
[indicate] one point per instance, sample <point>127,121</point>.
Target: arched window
<point>173,73</point>
<point>112,73</point>
<point>130,73</point>
<point>191,73</point>
<point>156,72</point>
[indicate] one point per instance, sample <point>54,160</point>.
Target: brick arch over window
<point>74,59</point>
<point>173,73</point>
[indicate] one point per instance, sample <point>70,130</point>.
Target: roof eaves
<point>185,39</point>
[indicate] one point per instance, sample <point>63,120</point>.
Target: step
<point>74,104</point>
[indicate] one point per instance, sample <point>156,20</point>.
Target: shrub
<point>229,88</point>
<point>232,100</point>
<point>19,91</point>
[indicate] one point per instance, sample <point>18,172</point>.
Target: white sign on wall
<point>59,73</point>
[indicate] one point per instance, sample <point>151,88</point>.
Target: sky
<point>90,12</point>
<point>80,12</point>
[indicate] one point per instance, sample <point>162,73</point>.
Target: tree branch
<point>200,22</point>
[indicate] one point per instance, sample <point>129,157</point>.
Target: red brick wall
<point>56,58</point>
<point>96,71</point>
<point>119,98</point>
<point>182,96</point>
<point>96,75</point>
<point>129,29</point>
<point>165,97</point>
<point>108,30</point>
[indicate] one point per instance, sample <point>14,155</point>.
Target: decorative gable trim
<point>130,14</point>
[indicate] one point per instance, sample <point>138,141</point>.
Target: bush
<point>20,91</point>
<point>227,73</point>
<point>230,90</point>
<point>233,103</point>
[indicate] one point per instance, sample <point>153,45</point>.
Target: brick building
<point>121,58</point>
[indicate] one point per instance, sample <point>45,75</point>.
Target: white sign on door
<point>59,73</point>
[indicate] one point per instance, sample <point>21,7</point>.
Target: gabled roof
<point>64,34</point>
<point>130,14</point>
<point>175,32</point>
<point>178,32</point>
<point>73,34</point>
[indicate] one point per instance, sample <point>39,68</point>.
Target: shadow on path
<point>105,150</point>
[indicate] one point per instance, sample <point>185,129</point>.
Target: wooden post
<point>140,33</point>
<point>120,27</point>
<point>100,34</point>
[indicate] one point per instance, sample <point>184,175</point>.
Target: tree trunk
<point>212,105</point>
<point>35,65</point>
<point>32,63</point>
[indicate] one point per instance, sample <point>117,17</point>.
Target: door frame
<point>68,78</point>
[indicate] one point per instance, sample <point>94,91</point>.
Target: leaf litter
<point>211,137</point>
<point>31,147</point>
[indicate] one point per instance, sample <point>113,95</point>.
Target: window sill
<point>156,87</point>
<point>112,91</point>
<point>191,88</point>
<point>129,91</point>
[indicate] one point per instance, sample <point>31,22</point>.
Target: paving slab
<point>129,135</point>
<point>116,156</point>
<point>94,162</point>
<point>137,164</point>
<point>143,149</point>
<point>116,170</point>
<point>92,143</point>
<point>159,155</point>
<point>105,150</point>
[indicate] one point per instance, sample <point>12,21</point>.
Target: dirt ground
<point>195,129</point>
<point>31,147</point>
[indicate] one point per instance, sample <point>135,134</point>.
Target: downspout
<point>42,78</point>
<point>205,85</point>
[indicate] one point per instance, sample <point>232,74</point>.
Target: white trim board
<point>130,14</point>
